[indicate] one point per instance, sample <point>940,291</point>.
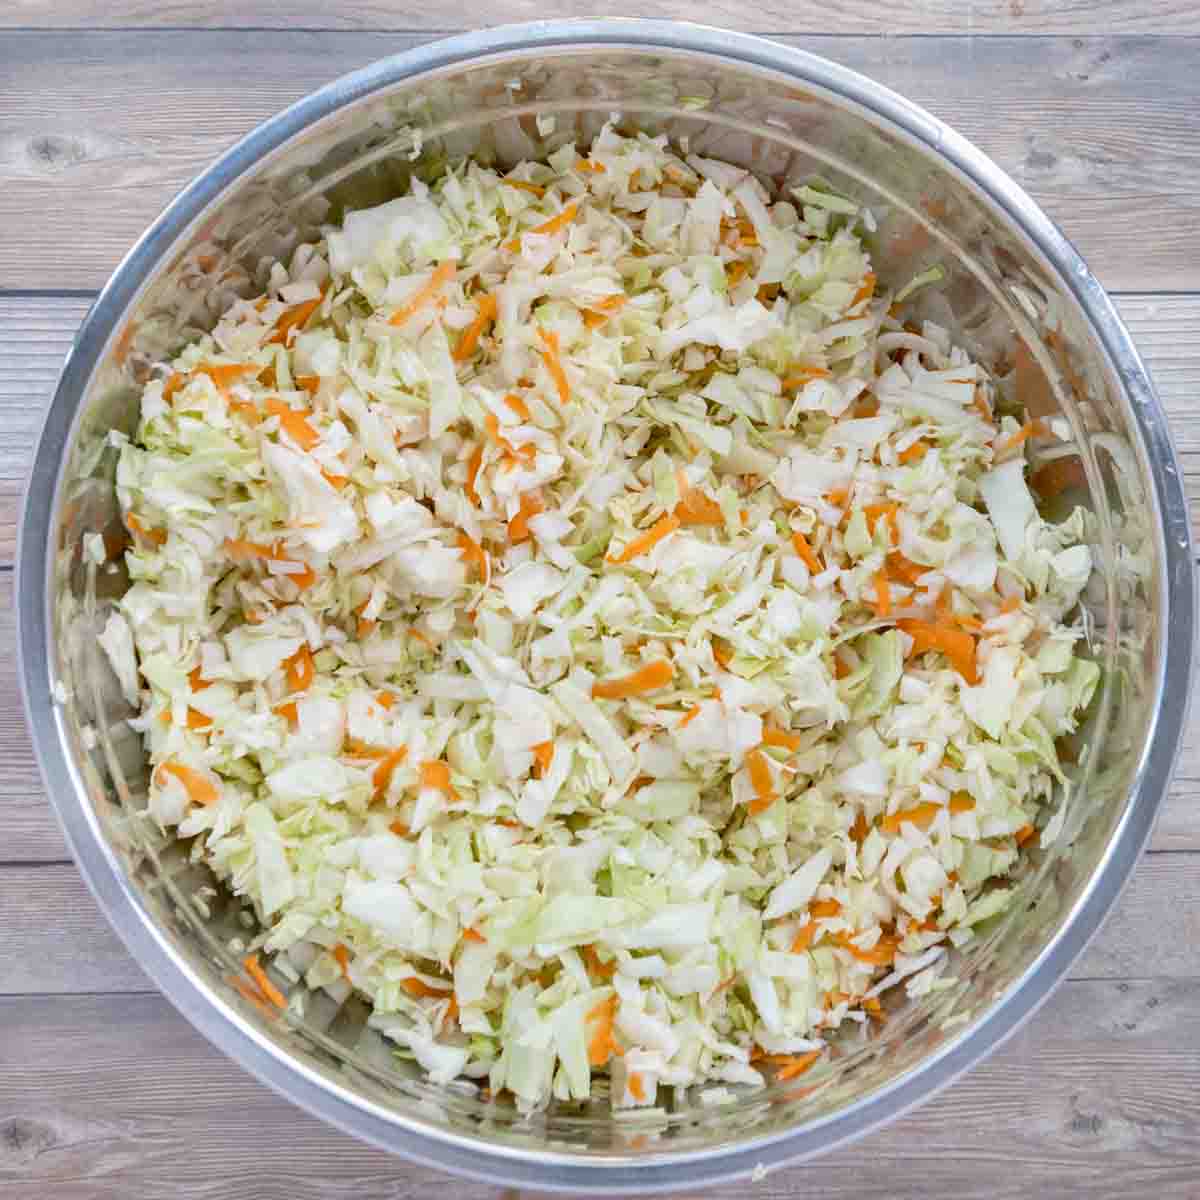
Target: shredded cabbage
<point>578,615</point>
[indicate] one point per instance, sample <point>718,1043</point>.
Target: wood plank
<point>58,942</point>
<point>117,1098</point>
<point>99,130</point>
<point>846,16</point>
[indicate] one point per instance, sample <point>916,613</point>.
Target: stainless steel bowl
<point>1015,291</point>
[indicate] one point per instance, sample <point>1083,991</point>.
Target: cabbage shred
<point>579,616</point>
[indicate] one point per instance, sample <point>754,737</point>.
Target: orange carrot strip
<point>1030,429</point>
<point>293,423</point>
<point>636,1088</point>
<point>419,989</point>
<point>294,318</point>
<point>1024,834</point>
<point>385,699</point>
<point>381,777</point>
<point>602,1045</point>
<point>780,737</point>
<point>557,222</point>
<point>268,989</point>
<point>688,717</point>
<point>518,406</point>
<point>913,453</point>
<point>342,955</point>
<point>225,374</point>
<point>428,291</point>
<point>299,669</point>
<point>648,540</point>
<point>584,164</point>
<point>485,314</point>
<point>797,1064</point>
<point>957,646</point>
<point>804,937</point>
<point>605,970</point>
<point>807,554</point>
<point>400,829</point>
<point>866,289</point>
<point>722,655</point>
<point>525,186</point>
<point>473,465</point>
<point>196,681</point>
<point>473,552</point>
<point>920,814</point>
<point>883,595</point>
<point>473,935</point>
<point>824,908</point>
<point>543,756</point>
<point>157,536</point>
<point>1010,605</point>
<point>289,711</point>
<point>804,374</point>
<point>309,383</point>
<point>518,527</point>
<point>200,789</point>
<point>904,569</point>
<point>961,802</point>
<point>760,779</point>
<point>436,774</point>
<point>695,508</point>
<point>550,356</point>
<point>649,678</point>
<point>882,953</point>
<point>198,720</point>
<point>337,481</point>
<point>887,510</point>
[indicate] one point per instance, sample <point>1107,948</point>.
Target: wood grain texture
<point>844,16</point>
<point>117,1098</point>
<point>97,133</point>
<point>57,941</point>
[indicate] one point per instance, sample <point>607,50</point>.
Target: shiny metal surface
<point>1016,292</point>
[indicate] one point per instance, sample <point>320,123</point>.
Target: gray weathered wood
<point>117,1098</point>
<point>844,16</point>
<point>58,942</point>
<point>97,133</point>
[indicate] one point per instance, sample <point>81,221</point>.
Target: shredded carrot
<point>913,453</point>
<point>602,1045</point>
<point>780,737</point>
<point>804,374</point>
<point>647,541</point>
<point>807,554</point>
<point>357,748</point>
<point>883,594</point>
<point>557,222</point>
<point>634,1083</point>
<point>385,699</point>
<point>427,292</point>
<point>689,716</point>
<point>721,654</point>
<point>294,423</point>
<point>173,383</point>
<point>882,953</point>
<point>888,510</point>
<point>860,828</point>
<point>871,1005</point>
<point>804,938</point>
<point>524,185</point>
<point>337,481</point>
<point>904,570</point>
<point>518,527</point>
<point>200,789</point>
<point>294,318</point>
<point>225,374</point>
<point>1057,476</point>
<point>961,802</point>
<point>309,383</point>
<point>584,164</point>
<point>550,356</point>
<point>288,711</point>
<point>436,774</point>
<point>473,552</point>
<point>957,646</point>
<point>473,935</point>
<point>157,536</point>
<point>381,777</point>
<point>197,719</point>
<point>342,955</point>
<point>419,989</point>
<point>518,406</point>
<point>1024,834</point>
<point>1034,428</point>
<point>866,289</point>
<point>824,908</point>
<point>761,781</point>
<point>473,465</point>
<point>649,678</point>
<point>1010,605</point>
<point>300,670</point>
<point>250,993</point>
<point>919,814</point>
<point>485,314</point>
<point>695,508</point>
<point>981,406</point>
<point>268,989</point>
<point>735,273</point>
<point>611,303</point>
<point>543,756</point>
<point>792,1064</point>
<point>196,681</point>
<point>239,550</point>
<point>868,406</point>
<point>400,829</point>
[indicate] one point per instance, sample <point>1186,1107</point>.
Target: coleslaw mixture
<point>578,615</point>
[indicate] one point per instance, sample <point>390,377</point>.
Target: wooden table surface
<point>107,107</point>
